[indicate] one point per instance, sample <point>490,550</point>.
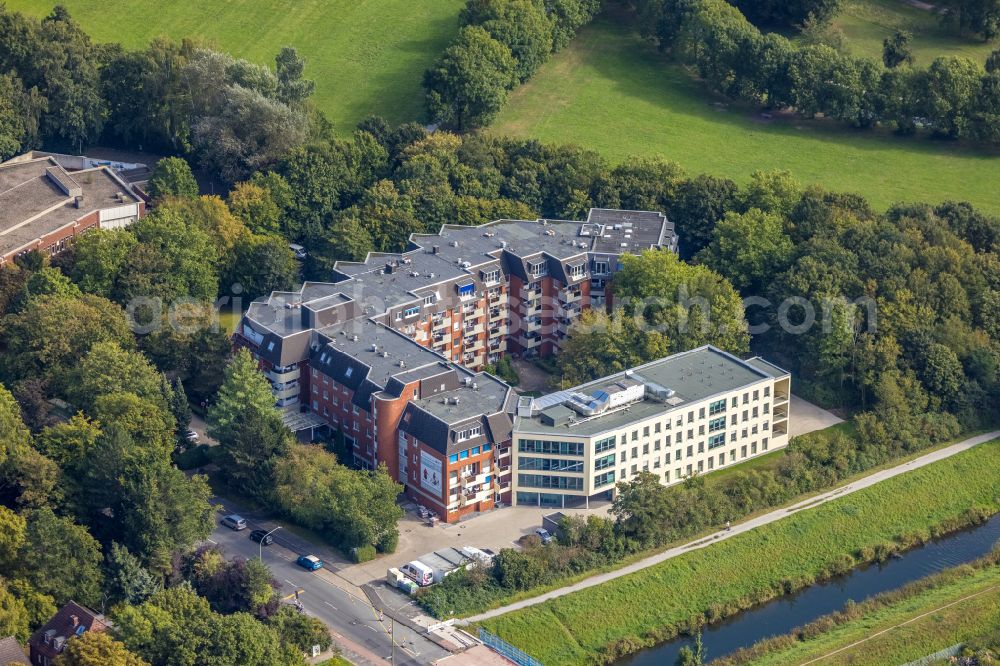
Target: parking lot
<point>496,529</point>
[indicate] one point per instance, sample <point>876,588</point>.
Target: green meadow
<point>366,56</point>
<point>641,608</point>
<point>611,91</point>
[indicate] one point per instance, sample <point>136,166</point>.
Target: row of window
<point>605,462</point>
<point>680,473</point>
<point>605,444</point>
<point>474,451</point>
<point>550,464</point>
<point>546,481</point>
<point>545,446</point>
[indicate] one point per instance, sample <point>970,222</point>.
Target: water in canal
<point>785,613</point>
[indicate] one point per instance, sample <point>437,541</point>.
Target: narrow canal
<point>785,613</point>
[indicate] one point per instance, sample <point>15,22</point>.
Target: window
<point>623,439</point>
<point>604,479</point>
<point>550,464</point>
<point>469,433</point>
<point>690,451</point>
<point>677,473</point>
<point>656,445</point>
<point>635,435</point>
<point>717,424</point>
<point>717,407</point>
<point>763,444</point>
<point>645,449</point>
<point>635,470</point>
<point>743,451</point>
<point>348,372</point>
<point>604,462</point>
<point>734,401</point>
<point>546,481</point>
<point>601,268</point>
<point>491,277</point>
<point>487,446</point>
<point>538,268</point>
<point>767,391</point>
<point>645,431</point>
<point>766,425</point>
<point>656,427</point>
<point>635,451</point>
<point>453,458</point>
<point>430,299</point>
<point>711,463</point>
<point>558,448</point>
<point>467,290</point>
<point>746,415</point>
<point>622,458</point>
<point>270,346</point>
<point>746,397</point>
<point>605,444</point>
<point>767,408</point>
<point>690,417</point>
<point>668,440</point>
<point>756,395</point>
<point>474,451</point>
<point>715,441</point>
<point>753,412</point>
<point>701,465</point>
<point>701,413</point>
<point>576,271</point>
<point>701,429</point>
<point>701,447</point>
<point>753,448</point>
<point>677,454</point>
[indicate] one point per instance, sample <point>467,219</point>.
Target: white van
<point>419,572</point>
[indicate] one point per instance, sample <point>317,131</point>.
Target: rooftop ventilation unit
<point>374,347</point>
<point>454,243</point>
<point>354,338</point>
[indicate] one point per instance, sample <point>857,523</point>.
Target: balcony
<point>440,322</point>
<point>283,375</point>
<point>287,402</point>
<point>497,313</point>
<point>529,342</point>
<point>498,330</point>
<point>533,324</point>
<point>570,295</point>
<point>473,312</point>
<point>780,428</point>
<point>527,294</point>
<point>781,413</point>
<point>471,345</point>
<point>498,299</point>
<point>780,397</point>
<point>473,329</point>
<point>441,338</point>
<point>285,390</point>
<point>498,345</point>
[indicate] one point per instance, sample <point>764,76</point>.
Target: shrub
<point>363,553</point>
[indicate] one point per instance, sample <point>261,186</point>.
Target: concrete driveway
<point>806,417</point>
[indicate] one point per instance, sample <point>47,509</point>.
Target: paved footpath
<point>745,526</point>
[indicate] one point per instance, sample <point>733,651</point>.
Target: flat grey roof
<point>694,375</point>
<point>487,398</point>
<point>33,205</point>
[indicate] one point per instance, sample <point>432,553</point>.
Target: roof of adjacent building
<point>11,652</point>
<point>70,620</point>
<point>693,376</point>
<point>38,197</point>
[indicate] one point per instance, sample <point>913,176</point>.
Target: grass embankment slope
<point>865,23</point>
<point>614,93</point>
<point>748,568</point>
<point>964,611</point>
<point>366,57</point>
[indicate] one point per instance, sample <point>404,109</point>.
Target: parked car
<point>234,522</point>
<point>191,436</point>
<point>544,535</point>
<point>261,537</point>
<point>300,252</point>
<point>309,562</point>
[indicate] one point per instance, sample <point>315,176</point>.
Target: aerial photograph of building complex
<point>500,332</point>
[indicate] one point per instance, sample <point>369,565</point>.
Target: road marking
<point>214,543</point>
<point>331,606</point>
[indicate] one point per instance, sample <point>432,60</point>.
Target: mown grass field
<point>967,610</point>
<point>612,92</point>
<point>745,569</point>
<point>865,23</point>
<point>366,56</point>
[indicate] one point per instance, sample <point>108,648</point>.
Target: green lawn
<point>612,92</point>
<point>865,23</point>
<point>750,568</point>
<point>965,610</point>
<point>366,56</point>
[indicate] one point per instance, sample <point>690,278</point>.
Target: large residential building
<point>43,206</point>
<point>391,353</point>
<point>692,412</point>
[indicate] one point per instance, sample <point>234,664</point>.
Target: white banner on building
<point>430,472</point>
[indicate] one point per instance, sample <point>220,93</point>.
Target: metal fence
<point>505,649</point>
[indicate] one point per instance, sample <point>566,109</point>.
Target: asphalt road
<point>348,615</point>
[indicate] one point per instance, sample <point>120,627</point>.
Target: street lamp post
<point>260,546</point>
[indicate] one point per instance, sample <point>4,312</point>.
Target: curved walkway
<point>745,526</point>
